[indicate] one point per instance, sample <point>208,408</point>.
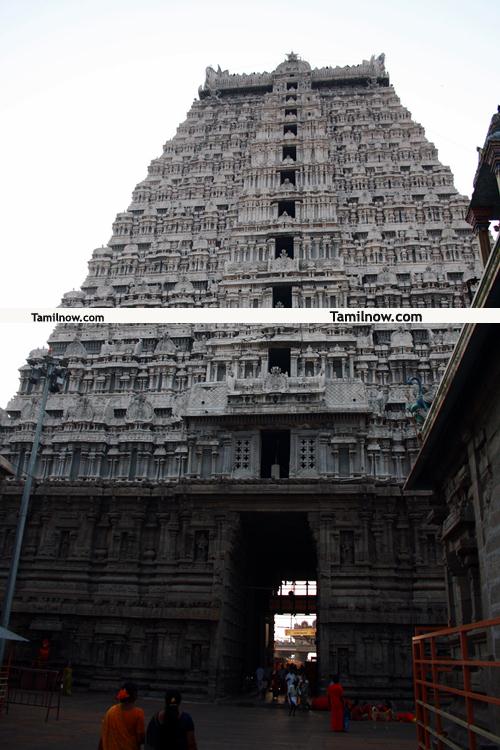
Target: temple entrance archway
<point>270,547</point>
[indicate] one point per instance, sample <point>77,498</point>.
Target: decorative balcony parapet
<point>277,392</point>
<point>279,382</point>
<point>283,264</point>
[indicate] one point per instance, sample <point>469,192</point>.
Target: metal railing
<point>34,687</point>
<point>453,689</point>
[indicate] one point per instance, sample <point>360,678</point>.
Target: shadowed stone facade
<point>187,470</point>
<point>459,459</point>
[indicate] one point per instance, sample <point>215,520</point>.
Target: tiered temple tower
<point>187,470</point>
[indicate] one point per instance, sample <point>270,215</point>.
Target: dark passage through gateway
<point>275,547</point>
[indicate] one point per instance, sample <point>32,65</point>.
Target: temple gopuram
<point>185,471</point>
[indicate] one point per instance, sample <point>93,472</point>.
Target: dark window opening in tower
<point>221,371</point>
<point>288,177</point>
<point>290,112</point>
<point>336,366</point>
<point>344,462</point>
<point>275,454</point>
<point>132,467</point>
<point>290,129</point>
<point>291,98</point>
<point>75,463</point>
<point>282,296</point>
<point>290,152</point>
<point>283,246</point>
<point>279,357</point>
<point>286,208</point>
<point>291,86</point>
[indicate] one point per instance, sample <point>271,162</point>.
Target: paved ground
<point>217,728</point>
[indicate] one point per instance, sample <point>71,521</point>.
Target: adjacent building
<point>459,458</point>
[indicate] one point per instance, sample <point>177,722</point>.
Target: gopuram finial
<point>292,56</point>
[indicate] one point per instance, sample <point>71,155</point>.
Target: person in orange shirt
<point>123,724</point>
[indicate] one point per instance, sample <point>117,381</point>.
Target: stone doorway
<point>269,548</point>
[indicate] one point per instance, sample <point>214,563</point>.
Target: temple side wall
<point>153,586</point>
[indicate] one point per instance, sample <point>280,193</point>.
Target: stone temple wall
<point>296,188</point>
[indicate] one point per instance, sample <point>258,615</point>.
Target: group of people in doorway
<point>297,690</point>
<point>286,680</point>
<point>292,682</point>
<point>123,726</point>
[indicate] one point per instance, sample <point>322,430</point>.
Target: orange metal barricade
<point>453,689</point>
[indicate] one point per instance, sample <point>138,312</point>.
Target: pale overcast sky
<point>90,91</point>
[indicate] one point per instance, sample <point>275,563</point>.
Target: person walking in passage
<point>290,679</point>
<point>260,682</point>
<point>293,698</point>
<point>335,693</point>
<point>123,724</point>
<point>171,729</point>
<point>304,692</point>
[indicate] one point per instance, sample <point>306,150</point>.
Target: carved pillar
<point>31,538</point>
<point>324,441</point>
<point>163,546</point>
<point>214,460</point>
<point>390,519</point>
<point>190,456</point>
<point>321,525</point>
<point>378,532</point>
<point>416,521</point>
<point>362,457</point>
<point>335,460</point>
<point>46,547</point>
<point>480,220</point>
<point>226,455</point>
<point>352,459</point>
<point>114,537</point>
<point>198,457</point>
<point>172,535</point>
<point>84,545</point>
<point>184,537</point>
<point>365,517</point>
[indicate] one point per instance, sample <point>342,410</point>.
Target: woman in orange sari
<point>335,694</point>
<point>123,724</point>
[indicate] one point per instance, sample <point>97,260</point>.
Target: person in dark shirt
<point>171,729</point>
